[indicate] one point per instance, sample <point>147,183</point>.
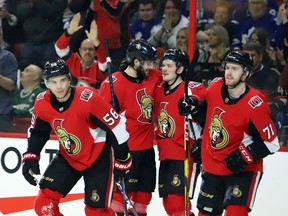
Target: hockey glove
<point>186,106</point>
<point>239,159</point>
<point>196,151</point>
<point>30,167</point>
<point>122,167</point>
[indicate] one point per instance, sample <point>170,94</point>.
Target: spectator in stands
<point>67,16</point>
<point>283,88</point>
<point>182,39</point>
<point>42,23</point>
<point>262,78</point>
<point>7,17</point>
<point>8,79</point>
<point>266,80</point>
<point>141,28</point>
<point>260,17</point>
<point>108,15</point>
<point>87,10</point>
<point>210,67</point>
<point>219,44</point>
<point>84,68</point>
<point>283,12</point>
<point>23,99</point>
<point>10,26</point>
<point>240,8</point>
<point>222,16</point>
<point>261,35</point>
<point>164,35</point>
<point>205,12</point>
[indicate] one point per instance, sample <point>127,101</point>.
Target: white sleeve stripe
<point>273,146</point>
<point>62,52</point>
<point>98,134</point>
<point>102,66</point>
<point>120,131</point>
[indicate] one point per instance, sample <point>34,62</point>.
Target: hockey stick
<point>121,183</point>
<point>187,123</point>
<point>127,201</point>
<point>108,60</point>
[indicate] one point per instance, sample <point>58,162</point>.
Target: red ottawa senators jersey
<point>80,126</point>
<point>135,101</point>
<point>170,125</point>
<point>230,122</point>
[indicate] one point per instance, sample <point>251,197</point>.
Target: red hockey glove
<point>239,159</point>
<point>186,106</point>
<point>30,167</point>
<point>122,167</point>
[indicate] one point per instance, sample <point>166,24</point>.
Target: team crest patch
<point>236,192</point>
<point>94,196</point>
<point>176,181</point>
<point>86,95</point>
<point>255,101</point>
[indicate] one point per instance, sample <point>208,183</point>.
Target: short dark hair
<point>253,45</point>
<point>177,4</point>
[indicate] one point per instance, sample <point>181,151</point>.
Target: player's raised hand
<point>92,35</point>
<point>74,24</point>
<point>167,25</point>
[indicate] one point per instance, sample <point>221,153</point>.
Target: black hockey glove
<point>122,167</point>
<point>30,167</point>
<point>196,151</point>
<point>186,106</point>
<point>237,160</point>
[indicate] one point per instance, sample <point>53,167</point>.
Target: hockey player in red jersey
<point>80,118</point>
<point>170,131</point>
<point>134,98</point>
<point>238,134</point>
<point>84,68</point>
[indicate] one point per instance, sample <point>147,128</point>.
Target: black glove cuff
<point>258,150</point>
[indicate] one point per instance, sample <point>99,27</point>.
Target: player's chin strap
<point>128,205</point>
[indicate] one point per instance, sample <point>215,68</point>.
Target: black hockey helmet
<point>241,58</point>
<point>180,57</point>
<point>142,50</point>
<point>55,67</point>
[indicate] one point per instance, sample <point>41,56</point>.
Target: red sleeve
<point>63,41</point>
<point>101,54</point>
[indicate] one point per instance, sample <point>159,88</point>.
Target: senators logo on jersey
<point>166,124</point>
<point>69,142</point>
<point>146,104</point>
<point>218,134</point>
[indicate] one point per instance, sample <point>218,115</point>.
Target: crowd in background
<point>34,31</point>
